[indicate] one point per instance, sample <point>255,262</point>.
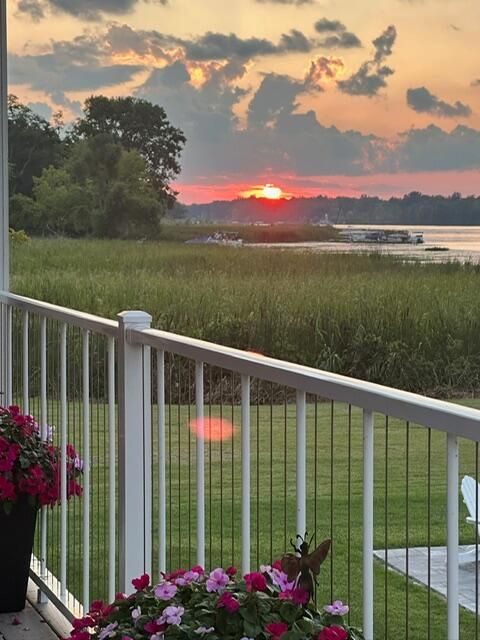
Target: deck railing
<point>198,453</point>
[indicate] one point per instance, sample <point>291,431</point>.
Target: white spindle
<point>200,464</point>
<point>245,474</point>
<point>452,537</point>
<point>25,368</point>
<point>9,368</point>
<point>63,462</point>
<point>162,498</point>
<point>111,470</point>
<point>133,458</point>
<point>44,432</point>
<point>368,459</point>
<point>86,468</point>
<point>301,470</point>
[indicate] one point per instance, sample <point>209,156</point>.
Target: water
<point>463,243</point>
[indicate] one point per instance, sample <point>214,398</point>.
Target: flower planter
<point>16,542</point>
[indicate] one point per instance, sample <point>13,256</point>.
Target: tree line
<point>413,208</point>
<point>107,175</point>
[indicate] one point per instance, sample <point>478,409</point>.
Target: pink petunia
<point>165,591</point>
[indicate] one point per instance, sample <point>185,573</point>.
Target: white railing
<point>117,387</point>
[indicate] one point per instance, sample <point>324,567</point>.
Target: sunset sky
<point>314,96</point>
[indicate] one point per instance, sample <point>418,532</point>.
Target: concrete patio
<point>37,622</point>
<point>418,571</point>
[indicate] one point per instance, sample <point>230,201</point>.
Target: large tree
<point>34,145</point>
<point>137,125</point>
<point>100,190</point>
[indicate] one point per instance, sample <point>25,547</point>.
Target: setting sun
<point>271,192</point>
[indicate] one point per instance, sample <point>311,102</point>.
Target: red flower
<point>154,627</point>
<point>231,571</point>
<point>298,596</point>
<point>80,623</point>
<point>229,602</point>
<point>255,581</point>
<point>276,629</point>
<point>80,635</point>
<point>7,489</point>
<point>141,583</point>
<point>169,577</point>
<point>333,633</point>
<point>277,565</point>
<point>198,569</point>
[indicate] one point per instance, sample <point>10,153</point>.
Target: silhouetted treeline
<point>412,209</point>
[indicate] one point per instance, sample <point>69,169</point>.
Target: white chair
<point>470,490</point>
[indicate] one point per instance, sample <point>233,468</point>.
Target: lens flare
<point>214,429</point>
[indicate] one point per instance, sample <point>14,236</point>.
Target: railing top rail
<point>418,409</point>
<point>63,314</point>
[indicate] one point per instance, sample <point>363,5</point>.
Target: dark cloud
<point>76,65</point>
<point>84,9</point>
<point>324,25</point>
<point>422,100</point>
<point>220,46</point>
<point>372,74</point>
<point>339,37</point>
<point>433,149</point>
<point>344,40</point>
<point>34,8</point>
<point>43,109</point>
<point>275,96</point>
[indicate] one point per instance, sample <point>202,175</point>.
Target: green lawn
<point>331,480</point>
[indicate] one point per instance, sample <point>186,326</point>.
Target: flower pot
<point>16,543</point>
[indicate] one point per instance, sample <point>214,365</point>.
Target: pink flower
<point>80,635</point>
<point>188,577</point>
<point>171,615</point>
<point>141,583</point>
<point>276,629</point>
<point>165,591</point>
<point>337,608</point>
<point>333,633</point>
<point>255,581</point>
<point>217,580</point>
<point>229,602</point>
<point>298,596</point>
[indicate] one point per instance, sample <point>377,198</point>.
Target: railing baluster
<point>44,433</point>
<point>245,474</point>
<point>112,436</point>
<point>147,455</point>
<point>63,463</point>
<point>368,459</point>
<point>86,468</point>
<point>162,480</point>
<point>301,471</point>
<point>200,464</point>
<point>452,537</point>
<point>9,368</point>
<point>25,367</point>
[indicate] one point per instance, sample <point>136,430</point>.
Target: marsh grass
<point>409,325</point>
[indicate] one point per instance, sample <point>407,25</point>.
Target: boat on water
<point>381,236</point>
<point>223,238</point>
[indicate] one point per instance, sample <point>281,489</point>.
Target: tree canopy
<point>34,145</point>
<point>137,125</point>
<point>110,176</point>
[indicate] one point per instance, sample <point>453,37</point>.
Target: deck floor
<point>418,571</point>
<point>26,625</point>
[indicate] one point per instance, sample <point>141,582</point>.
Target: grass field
<point>413,326</point>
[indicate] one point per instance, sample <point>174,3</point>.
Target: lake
<point>463,243</point>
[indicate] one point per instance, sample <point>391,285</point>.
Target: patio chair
<point>469,493</point>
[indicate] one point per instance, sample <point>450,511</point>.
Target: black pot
<point>16,543</point>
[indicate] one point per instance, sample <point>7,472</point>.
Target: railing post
<point>134,453</point>
<point>452,537</point>
<point>368,461</point>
